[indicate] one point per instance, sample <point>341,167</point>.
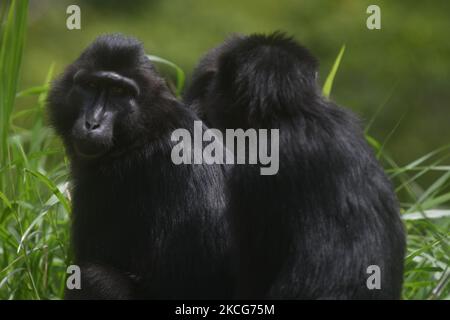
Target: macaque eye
<point>92,85</point>
<point>117,90</point>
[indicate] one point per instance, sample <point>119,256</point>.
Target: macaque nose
<point>91,125</point>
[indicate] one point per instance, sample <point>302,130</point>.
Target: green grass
<point>35,202</point>
<point>328,85</point>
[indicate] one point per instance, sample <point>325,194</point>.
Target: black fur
<point>310,231</point>
<point>142,226</point>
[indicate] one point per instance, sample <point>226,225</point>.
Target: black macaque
<point>143,228</point>
<point>311,230</point>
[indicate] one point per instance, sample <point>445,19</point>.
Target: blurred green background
<point>395,78</point>
<point>403,67</point>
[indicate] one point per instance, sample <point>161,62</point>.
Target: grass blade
<point>180,76</point>
<point>330,78</point>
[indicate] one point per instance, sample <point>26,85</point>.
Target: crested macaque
<point>142,227</point>
<point>314,229</point>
